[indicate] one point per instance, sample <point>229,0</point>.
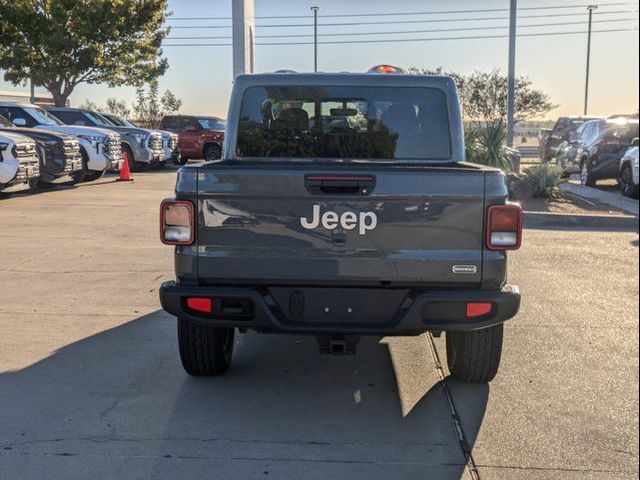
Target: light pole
<point>512,72</point>
<point>315,37</point>
<point>590,8</point>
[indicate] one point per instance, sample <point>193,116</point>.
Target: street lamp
<point>315,37</point>
<point>590,8</point>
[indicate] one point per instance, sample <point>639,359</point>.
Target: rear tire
<point>627,187</point>
<point>474,356</point>
<point>212,152</point>
<point>586,177</point>
<point>205,351</point>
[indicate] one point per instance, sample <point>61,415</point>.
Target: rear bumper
<point>417,312</point>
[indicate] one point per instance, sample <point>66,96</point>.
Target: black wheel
<point>133,165</point>
<point>92,175</point>
<point>627,187</point>
<point>474,356</point>
<point>212,152</point>
<point>45,186</point>
<point>159,165</point>
<point>205,351</point>
<point>586,177</point>
<point>80,175</point>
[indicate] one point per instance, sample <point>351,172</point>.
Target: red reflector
<point>478,309</point>
<point>199,304</point>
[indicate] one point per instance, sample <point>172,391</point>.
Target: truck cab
<point>342,207</point>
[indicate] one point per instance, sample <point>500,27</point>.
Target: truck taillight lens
<point>504,227</point>
<point>176,222</point>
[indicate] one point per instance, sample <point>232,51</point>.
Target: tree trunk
<point>59,98</point>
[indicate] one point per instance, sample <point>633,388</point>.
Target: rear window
<point>344,122</point>
<point>624,132</point>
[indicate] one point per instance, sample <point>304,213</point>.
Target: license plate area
<point>338,306</point>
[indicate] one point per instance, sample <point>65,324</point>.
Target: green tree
<point>483,96</point>
<point>63,43</point>
<point>117,107</point>
<point>150,107</point>
<point>113,105</point>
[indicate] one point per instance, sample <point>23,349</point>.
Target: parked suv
<point>200,137</point>
<point>169,140</point>
<point>143,147</point>
<point>100,149</point>
<point>629,175</point>
<point>601,145</point>
<point>58,153</point>
<point>19,166</point>
<point>564,130</point>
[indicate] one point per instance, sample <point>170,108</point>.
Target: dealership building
<point>40,99</point>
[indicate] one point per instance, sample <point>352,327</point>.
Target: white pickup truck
<point>101,149</point>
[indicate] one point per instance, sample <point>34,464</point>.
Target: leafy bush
<point>523,139</point>
<point>485,145</point>
<point>545,179</point>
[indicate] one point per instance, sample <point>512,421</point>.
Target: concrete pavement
<point>91,386</point>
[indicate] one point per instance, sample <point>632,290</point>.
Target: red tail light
<point>504,227</point>
<point>176,222</point>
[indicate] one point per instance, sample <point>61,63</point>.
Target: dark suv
<point>601,145</point>
<point>200,137</point>
<point>564,130</point>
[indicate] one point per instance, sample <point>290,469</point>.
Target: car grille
<point>72,153</point>
<point>113,147</point>
<point>71,148</point>
<point>25,150</point>
<point>173,141</point>
<point>29,166</point>
<point>155,142</point>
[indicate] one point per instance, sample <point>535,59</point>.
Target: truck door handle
<point>339,184</point>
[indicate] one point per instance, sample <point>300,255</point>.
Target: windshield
<point>212,124</point>
<point>5,123</point>
<point>42,117</point>
<point>344,122</point>
<point>121,122</point>
<point>98,119</point>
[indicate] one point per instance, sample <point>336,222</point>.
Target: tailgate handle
<point>339,184</point>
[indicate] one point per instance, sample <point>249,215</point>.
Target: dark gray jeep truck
<point>342,207</point>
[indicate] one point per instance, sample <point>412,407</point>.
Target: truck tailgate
<point>428,226</point>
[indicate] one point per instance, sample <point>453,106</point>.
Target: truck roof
<point>352,79</point>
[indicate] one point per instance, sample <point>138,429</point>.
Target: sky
<point>202,76</point>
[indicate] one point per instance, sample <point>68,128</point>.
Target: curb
<point>555,220</point>
<point>590,194</point>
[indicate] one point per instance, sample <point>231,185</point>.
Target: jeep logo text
<point>330,220</point>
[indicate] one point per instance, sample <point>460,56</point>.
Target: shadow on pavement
<point>118,404</point>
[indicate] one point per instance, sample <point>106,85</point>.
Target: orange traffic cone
<point>125,172</point>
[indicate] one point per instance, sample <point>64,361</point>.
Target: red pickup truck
<point>199,137</point>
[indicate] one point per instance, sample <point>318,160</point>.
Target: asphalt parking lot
<point>91,385</point>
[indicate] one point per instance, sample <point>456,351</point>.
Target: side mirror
<point>190,128</point>
<point>19,122</point>
<point>80,123</point>
<point>634,142</point>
